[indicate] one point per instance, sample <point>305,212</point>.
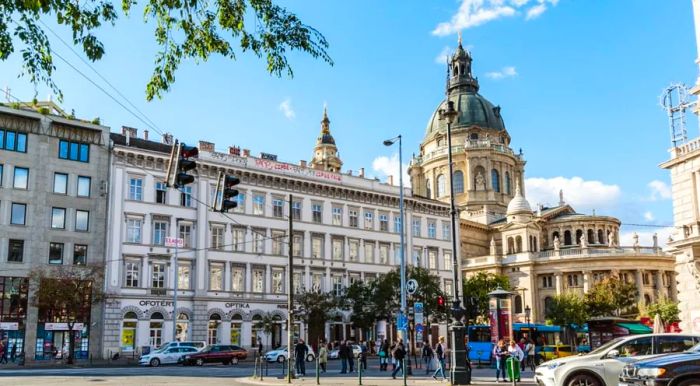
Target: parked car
<point>681,369</point>
<point>168,356</point>
<point>198,344</point>
<point>280,355</point>
<point>602,366</point>
<point>356,350</point>
<point>222,353</point>
<point>555,351</point>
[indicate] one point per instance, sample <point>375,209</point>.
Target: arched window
<point>129,323</point>
<point>507,182</point>
<point>474,136</point>
<point>518,304</point>
<point>213,331</point>
<point>458,182</point>
<point>518,244</point>
<point>567,237</point>
<point>548,303</point>
<point>440,186</point>
<point>427,188</point>
<point>236,327</point>
<point>601,239</point>
<point>495,180</point>
<point>591,236</point>
<point>579,233</point>
<point>256,330</point>
<point>511,246</point>
<point>182,327</point>
<point>155,337</point>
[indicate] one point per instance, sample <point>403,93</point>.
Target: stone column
<point>640,283</point>
<point>659,284</point>
<point>586,281</point>
<point>227,277</point>
<point>248,278</point>
<point>673,290</point>
<point>558,278</point>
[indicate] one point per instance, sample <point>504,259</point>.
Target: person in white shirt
<point>515,352</point>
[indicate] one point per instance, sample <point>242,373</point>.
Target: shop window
<point>236,327</point>
<point>155,330</point>
<point>213,331</point>
<point>182,327</point>
<point>129,323</point>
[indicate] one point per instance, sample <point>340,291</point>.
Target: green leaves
<point>479,285</point>
<point>566,309</point>
<point>667,308</point>
<point>184,30</point>
<point>611,297</point>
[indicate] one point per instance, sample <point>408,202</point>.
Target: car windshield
<point>162,348</point>
<point>695,348</point>
<point>605,347</point>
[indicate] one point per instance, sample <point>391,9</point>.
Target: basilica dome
<point>474,110</point>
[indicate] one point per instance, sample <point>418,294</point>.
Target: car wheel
<point>155,362</point>
<point>689,382</point>
<point>234,361</point>
<point>310,358</point>
<point>583,380</point>
<point>199,362</point>
<point>280,359</point>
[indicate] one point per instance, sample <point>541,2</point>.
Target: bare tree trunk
<point>71,343</point>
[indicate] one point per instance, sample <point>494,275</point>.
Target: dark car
<point>682,369</point>
<point>216,353</point>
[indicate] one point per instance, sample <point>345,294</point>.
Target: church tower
<point>326,155</point>
<point>486,169</point>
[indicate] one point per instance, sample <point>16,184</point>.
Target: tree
<point>568,309</point>
<point>358,299</point>
<point>66,294</point>
<point>266,324</point>
<point>196,29</point>
<point>611,296</point>
<point>667,308</point>
<point>314,308</point>
<point>478,286</point>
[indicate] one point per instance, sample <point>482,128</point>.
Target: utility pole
<point>290,294</point>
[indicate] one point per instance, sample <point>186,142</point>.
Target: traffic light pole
<point>290,293</point>
<point>175,279</point>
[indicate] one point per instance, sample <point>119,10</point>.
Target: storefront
<point>13,314</point>
<point>53,340</point>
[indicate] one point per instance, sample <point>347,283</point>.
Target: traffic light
<point>180,164</point>
<point>225,193</point>
<point>440,303</point>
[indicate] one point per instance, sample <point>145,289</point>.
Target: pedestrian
<point>383,355</point>
<point>343,356</point>
<point>427,357</point>
<point>3,357</point>
<point>530,354</point>
<point>300,352</point>
<point>363,355</point>
<point>391,352</point>
<point>260,347</point>
<point>522,344</point>
<point>500,353</point>
<point>516,353</point>
<point>440,358</point>
<point>351,355</point>
<point>323,357</point>
<point>399,354</point>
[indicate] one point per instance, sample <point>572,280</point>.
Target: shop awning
<point>636,328</point>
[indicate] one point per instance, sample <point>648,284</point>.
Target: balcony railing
<point>566,253</point>
<point>473,145</point>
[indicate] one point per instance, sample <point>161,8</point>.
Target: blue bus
<point>480,338</point>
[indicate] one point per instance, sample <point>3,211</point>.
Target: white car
<point>280,355</point>
<point>602,366</point>
<point>356,351</point>
<point>171,355</point>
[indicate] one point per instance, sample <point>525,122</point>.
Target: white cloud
<point>386,166</point>
<point>287,109</point>
<point>506,72</point>
<point>649,216</point>
<point>659,190</point>
<point>473,13</point>
<point>646,238</point>
<point>584,196</point>
<point>441,58</point>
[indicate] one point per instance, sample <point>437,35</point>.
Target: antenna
<point>674,100</point>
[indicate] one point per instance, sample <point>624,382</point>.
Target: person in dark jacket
<point>351,355</point>
<point>399,354</point>
<point>363,355</point>
<point>300,351</point>
<point>343,356</point>
<point>427,357</point>
<point>383,355</point>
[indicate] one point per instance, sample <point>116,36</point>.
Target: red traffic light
<point>441,301</point>
<point>188,151</point>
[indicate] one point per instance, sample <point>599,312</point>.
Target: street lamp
<point>527,316</point>
<point>403,312</point>
<point>458,370</point>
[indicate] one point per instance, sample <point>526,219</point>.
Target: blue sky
<point>578,82</point>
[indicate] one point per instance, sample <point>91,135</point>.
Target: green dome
<point>474,110</point>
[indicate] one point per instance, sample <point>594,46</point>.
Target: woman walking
<point>500,352</point>
<point>383,355</point>
<point>323,357</point>
<point>399,354</point>
<point>440,357</point>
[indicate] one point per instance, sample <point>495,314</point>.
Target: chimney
<point>145,135</point>
<point>302,163</point>
<point>168,139</point>
<point>390,180</point>
<point>234,150</point>
<point>206,146</point>
<point>362,173</point>
<point>246,152</point>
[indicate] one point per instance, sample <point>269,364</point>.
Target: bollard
<point>359,370</point>
<point>261,368</point>
<point>318,369</point>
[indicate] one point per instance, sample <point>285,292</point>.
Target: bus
<point>481,347</point>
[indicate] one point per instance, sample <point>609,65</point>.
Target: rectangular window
<point>258,280</point>
<point>58,218</point>
<point>240,200</point>
<point>73,151</point>
<point>21,178</point>
<point>135,189</point>
<point>317,247</point>
<point>277,281</point>
<point>298,245</point>
<point>337,215</point>
<point>384,222</point>
<point>432,259</point>
<point>278,238</point>
<point>258,241</point>
<point>446,231</point>
<point>158,275</point>
<point>277,207</point>
<point>337,285</point>
<point>316,213</point>
<point>15,251</point>
<point>79,254</point>
<point>448,286</point>
<point>547,282</point>
<point>184,276</point>
<point>354,250</point>
<point>55,253</point>
<point>216,277</point>
<point>317,282</point>
<point>161,193</point>
<point>18,215</point>
<point>296,210</point>
<point>259,204</point>
<point>13,141</point>
<point>432,230</point>
<point>217,237</point>
<point>298,282</point>
<point>60,183</point>
<point>238,279</point>
<point>83,186</point>
<point>337,246</point>
<point>132,271</point>
<point>369,252</point>
<point>572,280</point>
<point>186,196</point>
<point>185,233</point>
<point>447,260</point>
<point>82,220</point>
<point>369,220</point>
<point>238,239</point>
<point>383,253</point>
<point>160,232</point>
<point>417,257</point>
<point>397,223</point>
<point>1,174</point>
<point>416,227</point>
<point>133,230</point>
<point>352,216</point>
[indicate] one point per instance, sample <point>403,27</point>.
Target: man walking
<point>300,351</point>
<point>351,355</point>
<point>343,355</point>
<point>363,355</point>
<point>427,357</point>
<point>399,354</point>
<point>440,357</point>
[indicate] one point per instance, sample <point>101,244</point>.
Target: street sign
<point>418,318</point>
<point>419,327</point>
<point>174,242</point>
<point>419,336</point>
<point>418,307</point>
<point>402,323</point>
<point>411,286</point>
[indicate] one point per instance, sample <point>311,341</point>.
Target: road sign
<point>419,327</point>
<point>174,242</point>
<point>402,323</point>
<point>418,318</point>
<point>418,307</point>
<point>411,286</point>
<point>419,336</point>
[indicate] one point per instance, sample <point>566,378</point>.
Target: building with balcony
<point>231,271</point>
<point>543,250</point>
